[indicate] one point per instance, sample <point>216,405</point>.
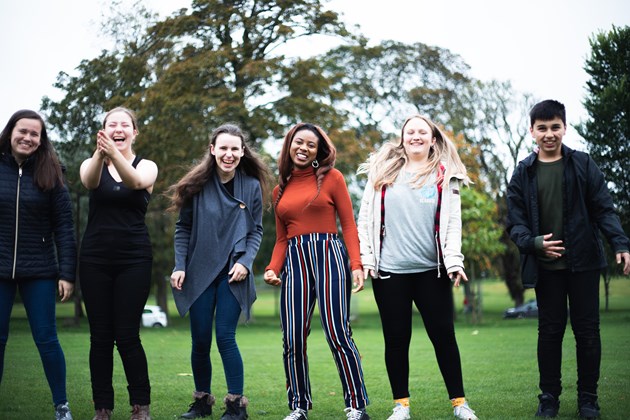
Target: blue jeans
<point>216,304</point>
<point>39,301</point>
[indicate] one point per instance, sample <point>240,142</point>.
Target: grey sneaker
<point>354,414</point>
<point>297,414</point>
<point>62,412</point>
<point>400,412</point>
<point>464,412</point>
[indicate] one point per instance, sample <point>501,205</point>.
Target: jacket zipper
<point>17,220</point>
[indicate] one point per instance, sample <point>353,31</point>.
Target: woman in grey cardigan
<point>217,236</point>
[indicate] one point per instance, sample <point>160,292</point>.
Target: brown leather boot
<point>140,412</point>
<point>102,414</point>
<point>235,407</point>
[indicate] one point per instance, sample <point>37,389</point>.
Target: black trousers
<point>114,297</point>
<point>433,297</point>
<point>581,291</point>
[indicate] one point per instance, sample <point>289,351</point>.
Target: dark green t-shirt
<point>550,205</point>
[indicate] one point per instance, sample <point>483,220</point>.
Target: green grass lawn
<point>498,357</point>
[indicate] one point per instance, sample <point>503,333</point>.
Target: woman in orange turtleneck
<point>313,265</point>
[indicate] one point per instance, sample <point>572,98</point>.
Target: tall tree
<point>188,73</point>
<point>607,128</point>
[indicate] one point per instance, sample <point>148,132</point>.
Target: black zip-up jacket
<point>588,209</point>
<point>36,229</point>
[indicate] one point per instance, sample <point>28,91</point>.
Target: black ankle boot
<point>235,407</point>
<point>587,405</point>
<point>201,406</point>
<point>548,406</point>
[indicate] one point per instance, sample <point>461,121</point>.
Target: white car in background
<point>154,316</point>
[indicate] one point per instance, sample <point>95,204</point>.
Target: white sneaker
<point>400,412</point>
<point>354,414</point>
<point>297,414</point>
<point>62,412</point>
<point>463,412</point>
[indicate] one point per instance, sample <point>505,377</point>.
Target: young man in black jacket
<point>558,203</point>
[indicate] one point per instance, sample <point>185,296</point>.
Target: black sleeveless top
<point>116,231</point>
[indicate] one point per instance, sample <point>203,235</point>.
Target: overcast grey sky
<point>538,45</point>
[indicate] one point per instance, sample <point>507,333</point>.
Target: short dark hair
<point>547,110</point>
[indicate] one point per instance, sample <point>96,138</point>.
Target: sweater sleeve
<point>365,226</point>
<point>254,237</point>
<point>280,248</point>
<point>183,228</point>
<point>343,204</point>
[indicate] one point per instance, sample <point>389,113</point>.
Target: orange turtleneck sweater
<point>295,216</point>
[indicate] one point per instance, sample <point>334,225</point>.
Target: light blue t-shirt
<point>409,244</point>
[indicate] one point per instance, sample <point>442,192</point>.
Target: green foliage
<point>221,61</point>
<point>607,129</point>
<point>385,83</point>
<point>481,233</point>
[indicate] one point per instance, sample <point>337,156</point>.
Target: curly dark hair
<point>326,155</point>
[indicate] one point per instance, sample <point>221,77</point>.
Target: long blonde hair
<point>384,165</point>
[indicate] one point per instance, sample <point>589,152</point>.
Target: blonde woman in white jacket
<point>410,232</point>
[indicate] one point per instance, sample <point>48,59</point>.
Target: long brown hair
<point>194,180</point>
<point>326,156</point>
<point>47,173</point>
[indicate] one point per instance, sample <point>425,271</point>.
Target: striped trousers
<point>317,269</point>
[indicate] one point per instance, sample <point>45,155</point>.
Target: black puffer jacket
<point>36,229</point>
<point>588,210</point>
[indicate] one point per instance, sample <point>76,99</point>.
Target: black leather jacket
<point>588,209</point>
<point>36,229</point>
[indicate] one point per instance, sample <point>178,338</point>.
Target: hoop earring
<point>315,164</point>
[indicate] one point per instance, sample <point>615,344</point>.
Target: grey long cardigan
<point>217,228</point>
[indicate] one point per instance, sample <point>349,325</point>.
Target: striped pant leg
<point>297,302</point>
<point>333,285</point>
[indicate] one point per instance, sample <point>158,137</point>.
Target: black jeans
<point>115,296</point>
<point>581,290</point>
<point>433,297</point>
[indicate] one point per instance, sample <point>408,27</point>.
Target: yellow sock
<point>458,401</point>
<point>402,401</point>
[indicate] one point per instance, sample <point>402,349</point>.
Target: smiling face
<point>303,150</point>
<point>548,136</point>
<point>119,127</point>
<point>25,138</point>
<point>227,151</point>
<point>417,139</point>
